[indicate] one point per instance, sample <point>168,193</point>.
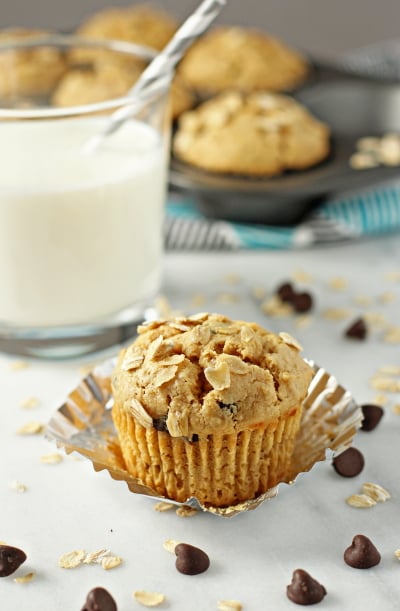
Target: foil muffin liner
<point>83,424</point>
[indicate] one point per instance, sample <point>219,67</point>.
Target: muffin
<point>94,85</point>
<point>109,80</point>
<point>28,72</point>
<point>140,24</point>
<point>209,407</point>
<point>242,59</point>
<point>258,134</point>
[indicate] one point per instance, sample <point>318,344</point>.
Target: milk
<point>80,235</point>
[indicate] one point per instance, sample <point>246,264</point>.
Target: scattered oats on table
<point>169,545</point>
<point>337,283</point>
<point>362,501</point>
<point>27,578</point>
<point>18,365</point>
<point>302,276</point>
<point>229,605</point>
<point>29,402</point>
<point>162,506</point>
<point>110,562</point>
<point>185,511</point>
<point>148,599</point>
<point>18,486</point>
<point>392,336</point>
<point>376,492</point>
<point>336,314</point>
<point>70,560</point>
<point>31,428</point>
<point>51,459</point>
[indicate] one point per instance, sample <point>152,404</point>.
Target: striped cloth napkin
<point>354,216</point>
<point>351,216</point>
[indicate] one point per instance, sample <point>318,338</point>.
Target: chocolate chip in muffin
<point>99,599</point>
<point>304,589</point>
<point>160,424</point>
<point>372,416</point>
<point>357,330</point>
<point>11,559</point>
<point>349,463</point>
<point>190,560</point>
<point>362,553</point>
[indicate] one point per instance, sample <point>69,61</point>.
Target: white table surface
<point>68,506</point>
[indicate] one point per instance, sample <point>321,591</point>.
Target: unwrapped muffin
<point>140,24</point>
<point>27,72</point>
<point>242,59</point>
<point>209,407</point>
<point>258,134</point>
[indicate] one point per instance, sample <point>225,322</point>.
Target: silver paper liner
<point>83,424</point>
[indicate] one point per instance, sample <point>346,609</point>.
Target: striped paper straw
<point>161,66</point>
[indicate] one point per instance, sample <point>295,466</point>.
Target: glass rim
<point>66,42</point>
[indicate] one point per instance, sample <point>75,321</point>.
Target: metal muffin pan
<point>353,107</point>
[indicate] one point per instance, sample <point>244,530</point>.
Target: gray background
<point>322,27</point>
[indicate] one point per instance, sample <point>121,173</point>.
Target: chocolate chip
<point>302,302</point>
<point>372,415</point>
<point>349,463</point>
<point>357,330</point>
<point>99,599</point>
<point>191,560</point>
<point>160,424</point>
<point>285,291</point>
<point>304,590</point>
<point>362,553</point>
<point>10,559</point>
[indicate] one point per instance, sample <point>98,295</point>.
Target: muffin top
<point>243,59</point>
<point>29,71</point>
<point>257,134</point>
<point>207,374</point>
<point>140,24</point>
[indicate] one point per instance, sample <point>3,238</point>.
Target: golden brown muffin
<point>138,24</point>
<point>110,80</point>
<point>259,134</point>
<point>29,72</point>
<point>94,85</point>
<point>242,59</point>
<point>209,407</point>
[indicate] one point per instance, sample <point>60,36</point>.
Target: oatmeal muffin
<point>209,407</point>
<point>138,24</point>
<point>28,72</point>
<point>109,80</point>
<point>89,86</point>
<point>242,59</point>
<point>258,134</point>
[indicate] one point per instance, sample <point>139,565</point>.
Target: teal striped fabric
<point>352,216</point>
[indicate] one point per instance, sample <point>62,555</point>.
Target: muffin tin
<point>354,107</point>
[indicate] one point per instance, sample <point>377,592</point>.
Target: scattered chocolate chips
<point>10,559</point>
<point>285,291</point>
<point>349,463</point>
<point>190,560</point>
<point>357,330</point>
<point>300,301</point>
<point>304,590</point>
<point>372,415</point>
<point>362,553</point>
<point>99,599</point>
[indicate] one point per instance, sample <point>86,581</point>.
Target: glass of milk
<point>80,233</point>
